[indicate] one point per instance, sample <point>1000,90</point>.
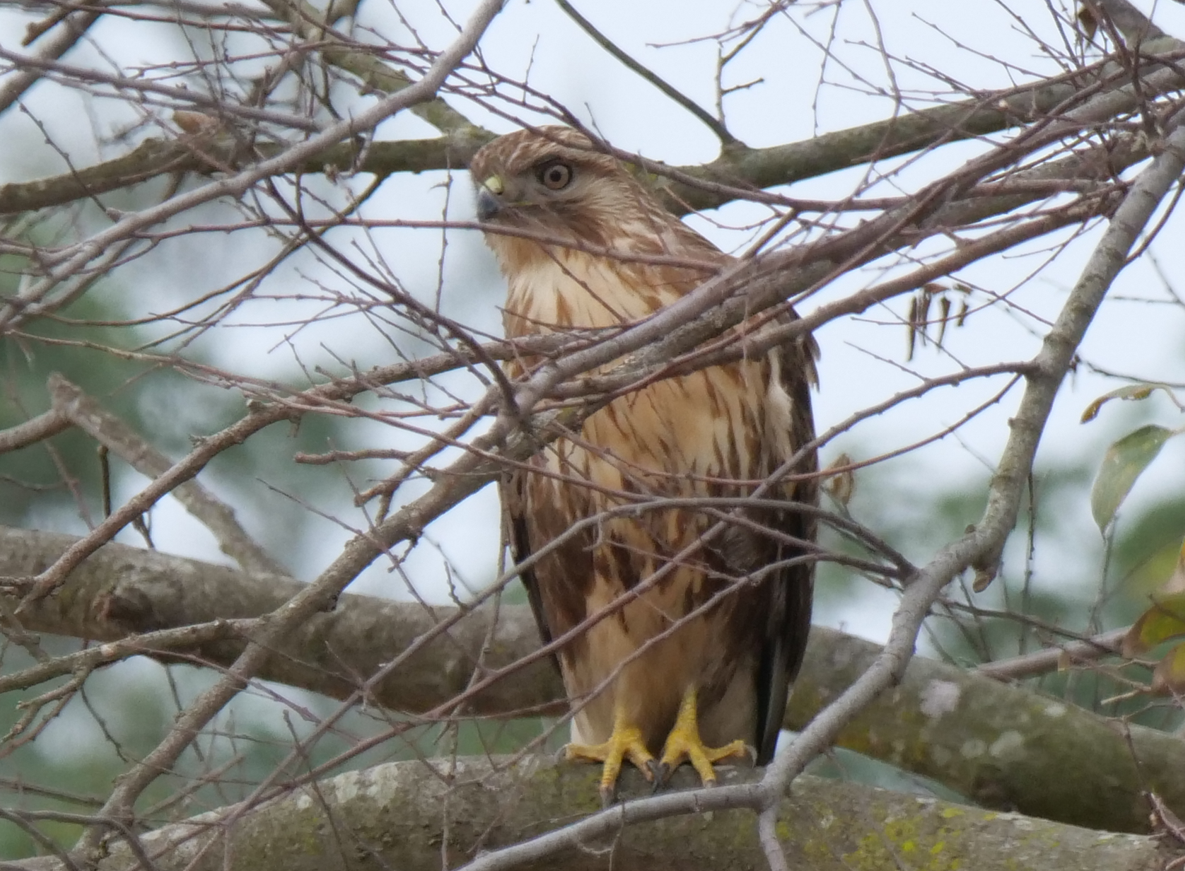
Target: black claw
<point>661,772</point>
<point>608,796</point>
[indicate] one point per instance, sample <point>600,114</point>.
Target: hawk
<point>697,663</point>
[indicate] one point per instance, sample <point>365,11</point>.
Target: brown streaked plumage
<point>720,678</point>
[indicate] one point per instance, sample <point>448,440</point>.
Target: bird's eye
<point>555,175</point>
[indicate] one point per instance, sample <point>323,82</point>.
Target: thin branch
<point>68,32</point>
<point>1041,662</point>
<point>76,257</point>
<point>107,429</point>
<point>348,55</point>
<point>713,124</point>
<point>317,596</point>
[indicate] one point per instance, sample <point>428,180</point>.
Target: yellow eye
<point>554,175</point>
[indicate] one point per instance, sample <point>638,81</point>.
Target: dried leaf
<point>841,481</point>
<point>195,122</point>
<point>1164,620</point>
<point>913,327</point>
<point>1130,392</point>
<point>1123,463</point>
<point>1088,23</point>
<point>944,307</point>
<point>961,317</point>
<point>1169,674</point>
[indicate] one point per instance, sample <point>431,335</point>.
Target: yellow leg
<point>684,743</point>
<point>624,743</point>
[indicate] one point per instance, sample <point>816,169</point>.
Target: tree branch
<point>1003,746</point>
<point>111,432</point>
<point>76,257</point>
<point>410,814</point>
<point>69,29</point>
<point>737,169</point>
<point>316,596</point>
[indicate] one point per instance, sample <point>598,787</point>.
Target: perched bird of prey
<point>696,664</point>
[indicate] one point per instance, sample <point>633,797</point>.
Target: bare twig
<point>716,125</point>
<point>318,595</point>
<point>85,413</point>
<point>68,31</point>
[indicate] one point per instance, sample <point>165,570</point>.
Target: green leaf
<point>1130,392</point>
<point>1123,463</point>
<point>1164,620</point>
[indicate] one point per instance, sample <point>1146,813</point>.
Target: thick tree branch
<point>737,169</point>
<point>123,591</point>
<point>1003,746</point>
<point>409,814</point>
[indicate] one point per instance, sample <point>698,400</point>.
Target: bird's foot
<point>684,744</point>
<point>680,748</point>
<point>625,743</point>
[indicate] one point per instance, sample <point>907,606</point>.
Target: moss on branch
<point>1002,746</point>
<point>412,816</point>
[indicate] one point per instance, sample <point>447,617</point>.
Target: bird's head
<point>556,183</point>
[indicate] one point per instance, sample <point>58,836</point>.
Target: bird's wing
<point>539,520</point>
<point>786,633</point>
<point>789,591</point>
<point>514,502</point>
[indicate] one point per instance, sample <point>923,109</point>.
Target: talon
<point>684,742</point>
<point>660,773</point>
<point>625,743</point>
<point>608,796</point>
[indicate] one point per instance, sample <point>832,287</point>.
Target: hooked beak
<point>489,198</point>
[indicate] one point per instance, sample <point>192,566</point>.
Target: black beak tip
<point>488,205</point>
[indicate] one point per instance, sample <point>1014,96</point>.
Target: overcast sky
<point>802,92</point>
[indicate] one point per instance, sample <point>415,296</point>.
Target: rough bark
<point>123,591</point>
<point>1003,746</point>
<point>407,815</point>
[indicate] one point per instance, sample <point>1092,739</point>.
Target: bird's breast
<point>577,291</point>
<point>676,436</point>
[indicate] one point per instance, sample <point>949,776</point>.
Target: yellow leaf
<point>1164,620</point>
<point>1132,392</point>
<point>1088,23</point>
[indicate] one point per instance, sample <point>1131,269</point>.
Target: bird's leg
<point>684,742</point>
<point>625,743</point>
